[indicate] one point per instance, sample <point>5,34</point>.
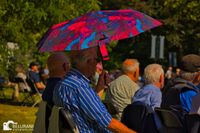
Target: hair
<point>80,56</point>
<point>189,76</point>
<point>130,65</point>
<point>152,73</point>
<point>19,68</point>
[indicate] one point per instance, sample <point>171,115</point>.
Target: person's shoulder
<point>32,73</point>
<point>73,81</point>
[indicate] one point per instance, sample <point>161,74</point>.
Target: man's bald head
<point>58,64</point>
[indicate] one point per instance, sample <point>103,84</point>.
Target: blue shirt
<point>150,95</point>
<point>186,96</point>
<point>75,94</point>
<point>34,76</point>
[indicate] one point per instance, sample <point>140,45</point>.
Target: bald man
<point>123,88</point>
<point>58,65</point>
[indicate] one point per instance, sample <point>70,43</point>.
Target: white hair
<point>189,76</point>
<point>130,65</point>
<point>152,73</point>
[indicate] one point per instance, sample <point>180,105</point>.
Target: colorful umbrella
<point>95,28</point>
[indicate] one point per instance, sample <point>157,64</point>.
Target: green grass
<point>20,114</point>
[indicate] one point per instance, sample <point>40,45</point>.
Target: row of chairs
<point>139,117</point>
<point>32,96</point>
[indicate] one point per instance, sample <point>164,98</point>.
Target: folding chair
<point>170,121</point>
<point>25,90</point>
<point>192,123</point>
<point>61,121</point>
<point>32,94</point>
<point>135,114</point>
<point>40,125</point>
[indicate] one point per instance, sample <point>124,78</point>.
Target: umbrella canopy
<point>95,28</point>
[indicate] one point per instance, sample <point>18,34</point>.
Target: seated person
<point>75,94</point>
<point>183,88</point>
<point>35,77</point>
<point>23,86</point>
<point>58,65</point>
<point>123,88</point>
<point>151,94</point>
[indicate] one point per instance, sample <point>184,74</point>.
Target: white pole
<point>161,52</point>
<point>153,46</point>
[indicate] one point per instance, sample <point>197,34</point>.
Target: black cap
<point>190,63</point>
<point>33,64</point>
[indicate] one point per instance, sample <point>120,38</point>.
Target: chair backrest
<point>31,84</point>
<point>61,121</point>
<point>192,123</point>
<point>40,122</point>
<point>195,107</point>
<point>19,80</point>
<point>134,115</point>
<point>22,84</point>
<point>169,118</point>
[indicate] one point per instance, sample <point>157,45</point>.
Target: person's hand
<point>106,79</point>
<point>103,81</point>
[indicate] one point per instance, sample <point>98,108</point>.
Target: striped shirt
<point>75,94</point>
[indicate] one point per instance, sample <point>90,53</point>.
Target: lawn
<point>23,115</point>
<point>19,114</point>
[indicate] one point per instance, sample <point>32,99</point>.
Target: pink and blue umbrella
<point>95,28</point>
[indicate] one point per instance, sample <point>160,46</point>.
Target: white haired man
<point>123,88</point>
<point>151,94</point>
<point>75,94</point>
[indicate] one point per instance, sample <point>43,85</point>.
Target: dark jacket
<point>171,93</point>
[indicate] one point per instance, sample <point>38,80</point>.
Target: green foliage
<point>25,21</point>
<point>180,27</point>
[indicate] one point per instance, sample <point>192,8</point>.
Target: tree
<point>25,21</point>
<point>180,26</point>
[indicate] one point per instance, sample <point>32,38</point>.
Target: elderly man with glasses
<point>75,94</point>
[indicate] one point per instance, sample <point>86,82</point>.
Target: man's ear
<point>161,81</point>
<point>196,80</point>
<point>136,73</point>
<point>65,67</point>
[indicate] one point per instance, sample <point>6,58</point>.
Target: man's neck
<point>157,84</point>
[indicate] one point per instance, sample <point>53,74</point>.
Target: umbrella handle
<point>104,52</point>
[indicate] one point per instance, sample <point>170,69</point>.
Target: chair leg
<point>35,103</point>
<point>38,100</point>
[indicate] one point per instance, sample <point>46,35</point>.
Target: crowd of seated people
<point>177,97</point>
<point>68,85</point>
<point>18,79</point>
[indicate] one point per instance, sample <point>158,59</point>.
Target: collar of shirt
<point>79,74</point>
<point>151,86</point>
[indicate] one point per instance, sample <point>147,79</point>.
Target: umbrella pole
<point>105,57</point>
